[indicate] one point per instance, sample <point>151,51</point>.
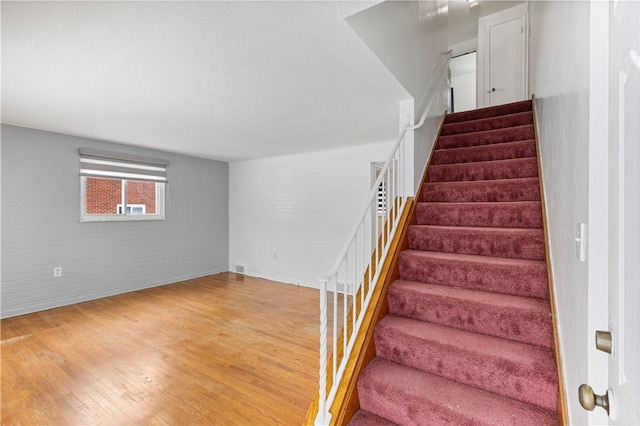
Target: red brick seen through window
<point>104,195</point>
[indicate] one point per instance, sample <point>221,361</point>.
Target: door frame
<point>624,39</point>
<point>598,205</point>
<point>484,23</point>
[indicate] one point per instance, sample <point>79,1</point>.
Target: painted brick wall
<point>289,216</point>
<point>100,259</point>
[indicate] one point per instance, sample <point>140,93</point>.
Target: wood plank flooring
<point>223,349</point>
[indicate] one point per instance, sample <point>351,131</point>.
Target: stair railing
<point>355,273</point>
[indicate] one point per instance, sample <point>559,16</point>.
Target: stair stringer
<point>563,415</point>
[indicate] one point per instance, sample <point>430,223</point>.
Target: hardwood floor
<point>223,349</point>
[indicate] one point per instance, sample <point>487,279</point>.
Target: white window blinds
<point>119,166</point>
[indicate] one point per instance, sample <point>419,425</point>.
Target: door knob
<point>589,400</point>
<point>493,90</point>
<point>604,342</point>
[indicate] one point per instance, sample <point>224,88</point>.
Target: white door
<point>505,51</point>
<point>502,61</point>
<point>624,212</point>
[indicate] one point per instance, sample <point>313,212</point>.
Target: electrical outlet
<point>57,271</point>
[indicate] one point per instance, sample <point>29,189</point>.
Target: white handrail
<point>373,193</point>
<point>357,267</point>
<point>376,184</point>
<point>430,103</point>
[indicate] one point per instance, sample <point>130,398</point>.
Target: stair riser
<point>482,191</point>
<point>529,281</point>
<point>500,122</point>
<point>510,169</point>
<point>428,400</point>
<point>364,418</point>
<point>478,114</point>
<point>509,215</point>
<point>516,245</point>
<point>530,379</point>
<point>404,410</point>
<point>501,151</point>
<point>532,326</point>
<point>510,134</point>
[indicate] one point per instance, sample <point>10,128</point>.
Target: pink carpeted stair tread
<point>490,123</point>
<point>519,277</point>
<point>364,418</point>
<point>498,151</point>
<point>469,336</point>
<point>407,396</point>
<point>487,137</point>
<point>520,319</point>
<point>485,170</point>
<point>517,243</point>
<point>520,214</point>
<point>516,370</point>
<point>499,190</point>
<point>480,113</point>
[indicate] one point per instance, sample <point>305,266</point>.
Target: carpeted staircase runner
<point>468,338</point>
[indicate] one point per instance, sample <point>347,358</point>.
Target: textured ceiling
<point>222,80</point>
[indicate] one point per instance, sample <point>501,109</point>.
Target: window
<point>382,188</point>
<point>382,199</point>
<point>116,187</point>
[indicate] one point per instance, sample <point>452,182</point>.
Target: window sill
<point>121,218</point>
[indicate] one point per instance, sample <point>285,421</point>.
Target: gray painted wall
<point>41,227</point>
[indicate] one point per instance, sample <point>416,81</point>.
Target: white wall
<point>41,226</point>
<point>560,78</point>
<point>463,81</point>
<point>410,38</point>
<point>464,47</point>
<point>425,137</point>
<point>464,91</point>
<point>289,216</point>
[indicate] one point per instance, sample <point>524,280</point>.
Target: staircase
<point>468,338</point>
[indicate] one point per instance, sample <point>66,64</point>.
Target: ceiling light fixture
<point>473,3</point>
